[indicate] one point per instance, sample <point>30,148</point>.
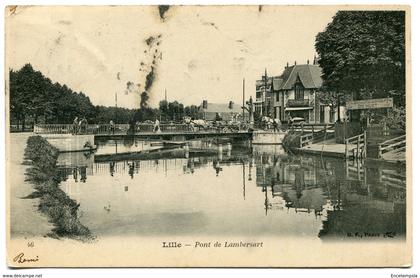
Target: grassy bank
<point>60,209</point>
<point>291,140</point>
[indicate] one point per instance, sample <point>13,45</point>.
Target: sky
<point>198,52</point>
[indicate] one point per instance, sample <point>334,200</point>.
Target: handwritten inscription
<point>20,258</point>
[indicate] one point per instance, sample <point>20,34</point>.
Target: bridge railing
<point>19,128</point>
<point>120,129</point>
<point>305,139</point>
<point>302,127</point>
<point>139,128</point>
<point>360,141</point>
<point>394,144</point>
<point>53,128</point>
<point>82,129</point>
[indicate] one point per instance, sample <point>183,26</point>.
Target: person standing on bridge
<point>276,123</point>
<point>75,126</point>
<point>111,126</point>
<point>156,127</point>
<point>83,125</point>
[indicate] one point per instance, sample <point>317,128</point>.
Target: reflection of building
<point>78,173</point>
<point>346,195</point>
<point>291,181</point>
<point>77,165</point>
<point>76,159</point>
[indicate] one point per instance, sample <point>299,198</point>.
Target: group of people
<point>79,126</point>
<point>270,123</point>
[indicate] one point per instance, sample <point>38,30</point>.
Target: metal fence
<point>18,128</point>
<point>121,129</point>
<point>83,129</point>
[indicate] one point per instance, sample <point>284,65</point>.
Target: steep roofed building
<point>295,93</point>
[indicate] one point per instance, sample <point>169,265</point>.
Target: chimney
<point>205,104</point>
<point>287,65</point>
<point>295,63</point>
<point>230,104</point>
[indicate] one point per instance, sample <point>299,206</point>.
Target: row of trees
<point>362,56</point>
<point>34,98</point>
<point>174,111</point>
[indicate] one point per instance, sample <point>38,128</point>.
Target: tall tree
<point>35,98</point>
<point>175,110</point>
<point>163,108</point>
<point>191,111</point>
<point>362,54</point>
<point>27,94</point>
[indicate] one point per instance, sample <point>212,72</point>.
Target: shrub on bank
<point>40,152</point>
<point>291,140</point>
<point>60,208</point>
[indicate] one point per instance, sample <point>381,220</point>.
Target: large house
<point>227,111</point>
<point>294,93</point>
<point>264,95</point>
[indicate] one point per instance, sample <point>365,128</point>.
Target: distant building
<point>264,96</point>
<point>295,93</point>
<point>227,111</point>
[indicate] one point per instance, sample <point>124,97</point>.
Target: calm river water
<point>244,190</point>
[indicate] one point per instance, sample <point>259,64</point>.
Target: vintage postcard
<point>208,136</point>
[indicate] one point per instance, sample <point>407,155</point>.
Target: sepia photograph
<point>208,136</point>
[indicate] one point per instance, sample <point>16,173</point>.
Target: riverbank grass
<point>43,174</point>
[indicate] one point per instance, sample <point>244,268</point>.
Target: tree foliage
<point>362,54</point>
<point>191,111</point>
<point>34,98</point>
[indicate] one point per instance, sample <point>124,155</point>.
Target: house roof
<point>261,82</point>
<point>222,108</point>
<point>310,75</point>
<point>277,83</point>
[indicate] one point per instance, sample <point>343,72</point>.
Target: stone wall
<point>71,143</point>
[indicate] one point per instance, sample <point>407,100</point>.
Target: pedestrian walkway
<point>25,220</point>
<point>328,149</point>
<point>394,156</point>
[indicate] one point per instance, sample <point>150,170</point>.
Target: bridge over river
<point>318,139</point>
<point>173,132</point>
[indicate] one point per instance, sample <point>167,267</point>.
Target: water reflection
<point>238,191</point>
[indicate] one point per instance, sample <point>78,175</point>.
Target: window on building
<point>278,96</point>
<point>299,90</point>
<point>258,95</point>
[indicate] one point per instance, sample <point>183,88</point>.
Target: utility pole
<point>243,100</point>
<point>338,107</point>
<point>116,107</point>
<point>166,105</point>
<point>265,94</point>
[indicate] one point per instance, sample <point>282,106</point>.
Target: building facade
<point>263,96</point>
<point>227,111</point>
<point>295,94</point>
